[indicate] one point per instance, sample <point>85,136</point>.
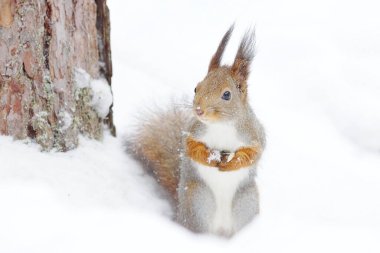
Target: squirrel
<point>206,157</point>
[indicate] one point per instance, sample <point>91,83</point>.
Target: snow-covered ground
<point>315,85</point>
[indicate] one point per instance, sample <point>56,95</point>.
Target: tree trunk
<point>55,70</point>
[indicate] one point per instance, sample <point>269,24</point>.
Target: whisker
<point>183,105</point>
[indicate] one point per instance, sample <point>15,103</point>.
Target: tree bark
<point>44,44</point>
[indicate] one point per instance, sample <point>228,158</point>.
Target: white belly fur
<point>222,184</point>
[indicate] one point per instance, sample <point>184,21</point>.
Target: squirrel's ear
<point>244,56</point>
<point>215,60</point>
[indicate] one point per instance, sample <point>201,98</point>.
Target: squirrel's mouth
<point>206,116</point>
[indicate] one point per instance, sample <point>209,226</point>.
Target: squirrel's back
<point>157,144</point>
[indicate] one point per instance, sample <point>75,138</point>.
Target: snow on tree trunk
<point>52,53</point>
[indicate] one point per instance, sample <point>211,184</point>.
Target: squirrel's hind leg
<point>245,205</point>
<point>195,206</point>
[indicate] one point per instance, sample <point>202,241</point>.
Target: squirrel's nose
<point>199,111</point>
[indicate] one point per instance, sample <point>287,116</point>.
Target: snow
<point>101,97</point>
<point>101,92</point>
<point>214,156</point>
<point>315,86</point>
<point>82,78</point>
<point>65,120</point>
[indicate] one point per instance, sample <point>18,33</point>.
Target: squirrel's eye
<point>195,90</point>
<point>226,95</point>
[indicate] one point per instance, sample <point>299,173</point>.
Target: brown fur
<point>215,60</point>
<point>157,144</point>
<point>240,69</point>
<point>226,78</point>
<point>209,92</point>
<point>200,153</point>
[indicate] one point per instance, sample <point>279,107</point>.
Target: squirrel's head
<point>223,92</point>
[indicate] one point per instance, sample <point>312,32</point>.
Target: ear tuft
<point>244,56</point>
<point>215,60</point>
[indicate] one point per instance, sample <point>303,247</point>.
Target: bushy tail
<point>157,144</point>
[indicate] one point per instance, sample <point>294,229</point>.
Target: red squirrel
<point>207,157</point>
